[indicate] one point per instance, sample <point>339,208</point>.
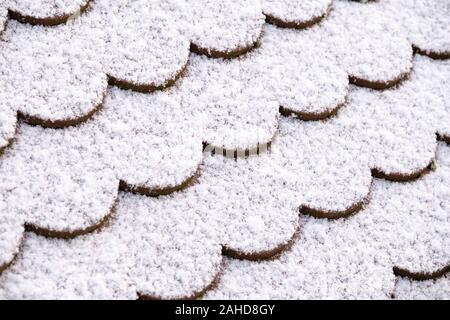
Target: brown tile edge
<point>46,21</point>
<point>235,53</point>
<point>433,55</point>
<point>19,249</point>
<point>60,124</point>
<point>297,24</point>
<point>401,177</point>
<point>421,276</point>
<point>149,87</point>
<point>379,85</point>
<point>270,254</point>
<point>196,294</point>
<point>157,192</point>
<point>71,234</point>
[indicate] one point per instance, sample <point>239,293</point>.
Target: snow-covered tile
<point>146,250</point>
<point>328,168</point>
<point>225,28</point>
<point>122,148</point>
<point>407,289</point>
<point>64,183</point>
<point>49,75</point>
<point>396,130</point>
<point>241,98</point>
<point>43,12</point>
<point>329,164</point>
<point>166,247</point>
<point>404,226</point>
<point>425,23</point>
<point>295,14</point>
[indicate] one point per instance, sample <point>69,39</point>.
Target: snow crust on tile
<point>419,110</point>
<point>154,52</point>
<point>393,131</point>
<point>425,23</point>
<point>426,222</point>
<point>167,247</point>
<point>51,180</point>
<point>286,66</point>
<point>397,128</point>
<point>403,225</point>
<point>315,93</point>
<point>297,10</point>
<point>240,111</point>
<point>433,76</point>
<point>319,167</point>
<point>250,201</point>
<point>145,249</point>
<point>51,72</point>
<point>406,289</point>
<point>345,42</point>
<point>67,180</point>
<point>241,97</point>
<point>329,261</point>
<point>327,250</point>
<point>302,82</point>
<point>328,169</point>
<point>225,25</point>
<point>169,26</point>
<point>155,133</point>
<point>89,46</point>
<point>46,8</point>
<point>246,205</point>
<point>392,128</point>
<point>362,43</point>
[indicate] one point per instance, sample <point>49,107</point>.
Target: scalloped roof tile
<point>253,149</point>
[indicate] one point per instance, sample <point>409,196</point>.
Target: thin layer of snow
<point>406,289</point>
<point>353,258</point>
<point>250,202</point>
<point>154,52</point>
<point>360,44</point>
<point>165,247</point>
<point>426,223</point>
<point>43,9</point>
<point>289,68</point>
<point>154,141</point>
<point>98,43</point>
<point>404,225</point>
<point>357,253</point>
<point>328,163</point>
<point>51,73</point>
<point>425,22</point>
<point>297,11</point>
<point>145,249</point>
<point>232,94</point>
<point>241,97</point>
<point>225,25</point>
<point>396,129</point>
<point>72,182</point>
<point>328,169</point>
<point>8,123</point>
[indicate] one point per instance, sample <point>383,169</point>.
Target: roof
<point>222,149</point>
